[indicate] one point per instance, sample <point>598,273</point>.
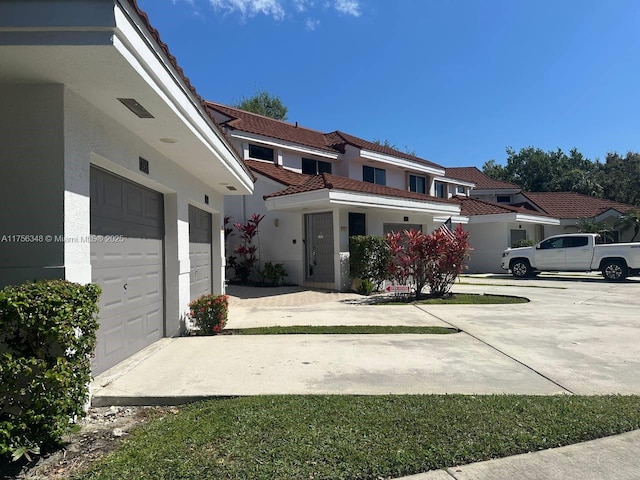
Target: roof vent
<point>133,105</point>
<point>231,187</point>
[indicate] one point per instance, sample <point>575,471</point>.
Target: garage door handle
<point>125,286</point>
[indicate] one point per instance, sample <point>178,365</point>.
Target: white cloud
<point>251,8</point>
<point>348,7</point>
<point>278,9</point>
<point>312,24</point>
<point>303,5</point>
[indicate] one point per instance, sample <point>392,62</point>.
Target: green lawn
<point>455,299</point>
<point>341,330</point>
<point>356,437</point>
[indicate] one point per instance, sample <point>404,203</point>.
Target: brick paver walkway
<point>243,296</point>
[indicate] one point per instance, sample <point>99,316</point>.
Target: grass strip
<point>356,437</point>
<point>341,330</point>
<point>455,299</point>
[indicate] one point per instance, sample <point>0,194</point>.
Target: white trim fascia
<point>513,217</point>
<point>133,42</point>
<point>454,181</point>
<point>454,219</point>
<point>400,162</point>
<point>495,191</point>
<point>352,199</point>
<point>281,144</point>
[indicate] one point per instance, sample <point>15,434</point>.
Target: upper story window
<point>460,189</point>
<point>374,175</point>
<point>503,198</point>
<point>261,153</point>
<point>315,167</point>
<point>417,184</point>
<point>440,189</point>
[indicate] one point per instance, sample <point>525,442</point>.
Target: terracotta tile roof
<point>269,127</point>
<point>375,147</point>
<point>333,142</point>
<point>276,172</point>
<point>573,205</point>
<point>334,182</point>
<point>470,206</point>
<point>482,181</point>
<point>174,62</point>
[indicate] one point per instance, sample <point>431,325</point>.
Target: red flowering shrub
<point>420,259</point>
<point>247,251</point>
<point>209,313</point>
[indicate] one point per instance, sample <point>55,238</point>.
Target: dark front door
<point>319,247</point>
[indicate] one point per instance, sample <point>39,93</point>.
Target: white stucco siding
<point>488,241</point>
<point>32,182</point>
<point>94,138</point>
<point>280,233</point>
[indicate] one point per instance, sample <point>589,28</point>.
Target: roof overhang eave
<point>334,197</point>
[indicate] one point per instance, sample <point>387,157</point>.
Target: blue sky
<point>455,80</point>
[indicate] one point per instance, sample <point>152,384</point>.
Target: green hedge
<point>47,337</point>
<point>369,258</point>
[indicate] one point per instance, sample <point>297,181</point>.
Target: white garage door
<point>200,251</point>
<point>129,271</point>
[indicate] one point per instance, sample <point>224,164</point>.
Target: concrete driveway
<point>578,335</point>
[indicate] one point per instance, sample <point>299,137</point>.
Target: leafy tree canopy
<point>388,144</point>
<point>263,103</point>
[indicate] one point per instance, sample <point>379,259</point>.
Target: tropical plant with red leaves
<point>418,259</point>
<point>247,251</point>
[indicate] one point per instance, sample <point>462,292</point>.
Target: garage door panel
<point>200,235</point>
<point>130,271</point>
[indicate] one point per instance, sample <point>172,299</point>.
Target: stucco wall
<point>281,233</point>
<point>94,138</point>
<point>45,185</point>
<point>32,182</point>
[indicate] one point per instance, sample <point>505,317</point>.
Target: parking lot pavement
<point>577,336</point>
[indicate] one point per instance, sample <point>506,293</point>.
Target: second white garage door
<point>200,251</point>
<point>129,271</point>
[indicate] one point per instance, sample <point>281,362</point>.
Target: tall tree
<point>263,103</point>
<point>538,171</point>
<point>621,177</point>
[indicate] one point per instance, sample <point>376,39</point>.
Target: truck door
<point>578,253</point>
<point>550,254</point>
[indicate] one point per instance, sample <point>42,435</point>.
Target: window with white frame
<point>460,190</point>
<point>417,183</point>
<point>374,175</point>
<point>315,167</point>
<point>440,189</point>
<point>261,153</point>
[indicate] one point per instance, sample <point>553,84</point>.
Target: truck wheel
<point>615,270</point>
<point>521,268</point>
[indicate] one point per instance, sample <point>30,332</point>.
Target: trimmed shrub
<point>209,313</point>
<point>47,337</point>
<point>523,243</point>
<point>273,273</point>
<point>368,258</point>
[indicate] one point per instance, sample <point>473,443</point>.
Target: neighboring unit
<point>112,169</point>
<point>574,253</point>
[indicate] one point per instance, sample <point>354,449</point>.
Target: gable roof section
<point>482,181</point>
<point>470,206</point>
<point>375,147</point>
<point>269,127</point>
<point>333,182</point>
<point>333,142</point>
<point>573,205</point>
<point>276,173</point>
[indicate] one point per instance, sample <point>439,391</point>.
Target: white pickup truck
<point>576,252</point>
